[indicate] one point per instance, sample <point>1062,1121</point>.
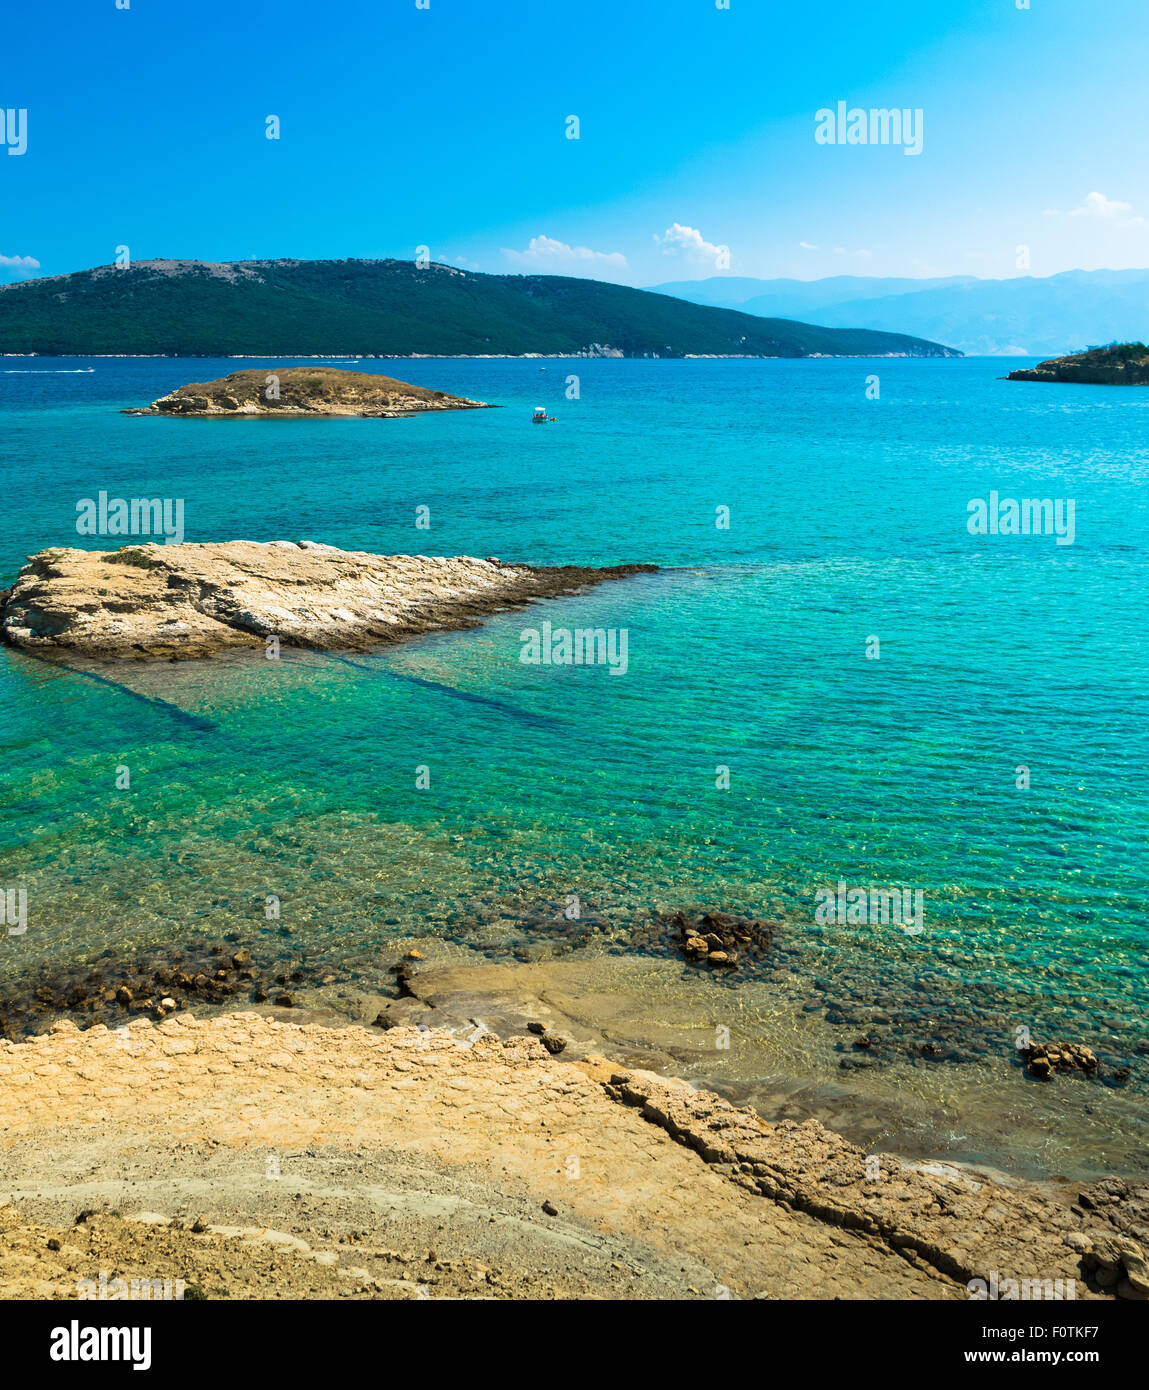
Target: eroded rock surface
<point>578,1177</point>
<point>191,600</point>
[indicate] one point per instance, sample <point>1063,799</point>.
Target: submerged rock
<point>1044,1059</point>
<point>116,989</point>
<point>717,939</point>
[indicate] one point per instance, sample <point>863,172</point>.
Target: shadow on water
<point>200,724</point>
<point>182,717</point>
<point>537,721</point>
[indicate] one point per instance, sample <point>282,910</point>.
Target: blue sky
<point>446,127</point>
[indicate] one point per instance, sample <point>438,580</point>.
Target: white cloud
<point>1098,205</point>
<point>546,252</point>
<point>19,263</point>
<point>807,246</point>
<point>690,242</point>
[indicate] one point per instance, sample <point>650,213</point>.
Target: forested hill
<point>285,308</point>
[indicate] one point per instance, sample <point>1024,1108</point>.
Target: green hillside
<point>1118,364</point>
<point>297,308</point>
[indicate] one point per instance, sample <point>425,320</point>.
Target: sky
<point>444,124</point>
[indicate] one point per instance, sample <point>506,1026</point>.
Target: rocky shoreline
<point>187,1119</point>
<point>191,600</point>
<point>911,1070</point>
<point>1123,365</point>
<point>476,1082</point>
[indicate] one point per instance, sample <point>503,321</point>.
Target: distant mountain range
<point>288,308</point>
<point>1024,316</point>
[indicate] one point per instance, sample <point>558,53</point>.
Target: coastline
<point>486,356</point>
<point>750,1038</point>
<point>667,1061</point>
<point>639,1177</point>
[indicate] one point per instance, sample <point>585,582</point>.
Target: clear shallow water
<point>848,519</point>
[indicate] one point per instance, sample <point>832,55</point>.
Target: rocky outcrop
<point>305,391</point>
<point>192,600</point>
<point>1126,365</point>
<point>977,1230</point>
<point>640,1173</point>
<point>1117,1263</point>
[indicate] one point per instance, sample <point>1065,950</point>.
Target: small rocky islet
<point>304,392</point>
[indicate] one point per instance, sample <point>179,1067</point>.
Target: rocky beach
<point>528,1116</point>
<point>574,711</point>
<point>254,1156</point>
<point>260,1125</point>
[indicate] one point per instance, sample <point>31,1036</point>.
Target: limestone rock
<point>154,600</point>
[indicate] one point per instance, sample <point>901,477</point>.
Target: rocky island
<point>175,601</point>
<point>1125,364</point>
<point>305,391</point>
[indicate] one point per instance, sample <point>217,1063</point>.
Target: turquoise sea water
<point>748,651</point>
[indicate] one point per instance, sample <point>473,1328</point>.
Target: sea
<point>832,683</point>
